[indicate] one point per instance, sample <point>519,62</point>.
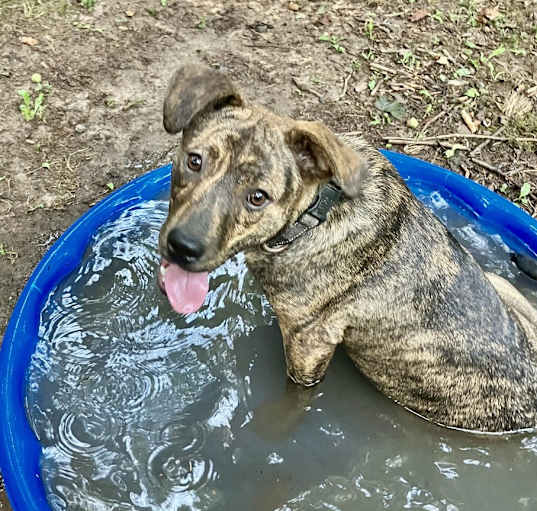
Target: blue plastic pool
<point>19,449</point>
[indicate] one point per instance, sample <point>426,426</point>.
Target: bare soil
<point>406,70</point>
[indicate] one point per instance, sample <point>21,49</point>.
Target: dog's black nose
<point>183,249</point>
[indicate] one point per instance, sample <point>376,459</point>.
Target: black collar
<point>327,196</point>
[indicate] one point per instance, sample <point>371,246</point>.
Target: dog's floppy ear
<point>320,155</point>
<point>195,89</point>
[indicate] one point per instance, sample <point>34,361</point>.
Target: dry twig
<point>460,135</point>
<point>487,141</point>
<point>345,85</point>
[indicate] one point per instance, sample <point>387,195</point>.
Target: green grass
<point>333,41</point>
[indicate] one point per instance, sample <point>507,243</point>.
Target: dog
<point>346,254</point>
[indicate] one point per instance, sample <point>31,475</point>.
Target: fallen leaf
<point>396,109</point>
<point>418,15</point>
<point>324,20</point>
<point>442,60</point>
<point>130,13</point>
<point>491,13</point>
<point>30,41</point>
<point>467,118</point>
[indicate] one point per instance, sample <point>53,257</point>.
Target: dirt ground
<point>91,75</point>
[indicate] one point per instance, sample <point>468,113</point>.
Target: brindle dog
<point>381,275</point>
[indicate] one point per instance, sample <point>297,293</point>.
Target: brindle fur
<point>382,275</point>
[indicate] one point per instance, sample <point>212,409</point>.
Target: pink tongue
<point>186,291</point>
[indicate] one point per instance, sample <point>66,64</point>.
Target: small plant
<point>88,4</point>
<point>488,61</point>
<point>525,190</point>
<point>462,72</point>
<point>438,16</point>
<point>475,63</point>
<point>409,59</point>
<point>472,92</point>
<point>30,109</point>
<point>515,50</point>
<point>368,55</point>
<point>369,28</point>
<point>425,93</point>
<point>110,103</point>
<point>376,121</point>
<point>164,3</point>
<point>470,9</point>
<point>372,83</point>
<point>334,42</point>
<point>449,153</point>
<point>6,252</point>
<point>497,52</point>
<point>202,24</point>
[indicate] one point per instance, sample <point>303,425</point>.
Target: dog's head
<point>240,175</point>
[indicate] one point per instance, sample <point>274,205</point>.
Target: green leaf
<point>110,186</point>
<point>324,37</point>
<point>375,122</point>
<point>472,92</point>
<point>36,78</point>
<point>449,153</point>
<point>426,93</point>
<point>396,109</point>
<point>39,102</point>
<point>463,71</point>
<point>25,95</point>
<point>497,52</point>
<point>371,84</point>
<point>525,190</point>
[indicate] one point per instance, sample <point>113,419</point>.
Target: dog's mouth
<point>186,291</point>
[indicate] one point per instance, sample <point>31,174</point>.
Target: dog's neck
<point>326,198</point>
<point>354,231</point>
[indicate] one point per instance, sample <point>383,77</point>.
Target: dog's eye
<point>194,162</point>
<point>257,199</point>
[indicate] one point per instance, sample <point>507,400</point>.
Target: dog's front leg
<point>308,353</point>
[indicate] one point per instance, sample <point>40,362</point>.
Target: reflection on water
<point>139,408</point>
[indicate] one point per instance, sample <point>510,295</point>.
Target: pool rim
<point>19,448</point>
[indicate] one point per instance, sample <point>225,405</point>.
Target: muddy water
<point>138,408</point>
